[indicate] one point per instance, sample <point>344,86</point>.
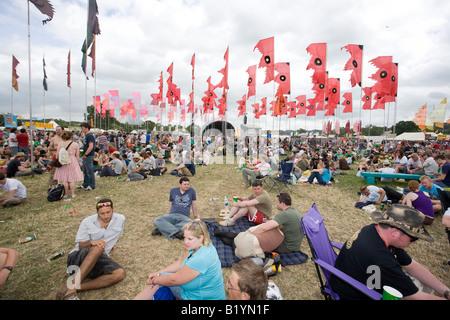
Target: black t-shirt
<point>12,168</point>
<point>88,139</point>
<point>365,256</point>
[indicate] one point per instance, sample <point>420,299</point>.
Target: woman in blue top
<point>322,173</point>
<point>197,275</point>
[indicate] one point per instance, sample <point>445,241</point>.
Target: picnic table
<point>370,176</point>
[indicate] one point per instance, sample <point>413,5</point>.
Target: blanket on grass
<point>226,253</point>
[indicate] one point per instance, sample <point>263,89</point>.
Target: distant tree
<point>406,126</point>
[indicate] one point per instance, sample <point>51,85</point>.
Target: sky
<point>141,38</point>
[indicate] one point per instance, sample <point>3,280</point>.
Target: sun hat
<point>20,154</point>
<point>386,162</point>
<point>404,218</point>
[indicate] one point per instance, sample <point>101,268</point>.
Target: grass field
<point>56,224</point>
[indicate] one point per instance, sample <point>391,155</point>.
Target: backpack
<point>64,155</point>
<point>56,193</point>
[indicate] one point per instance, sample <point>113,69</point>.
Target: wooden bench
<point>370,176</point>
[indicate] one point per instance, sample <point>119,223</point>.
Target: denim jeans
<point>318,176</point>
<point>170,224</point>
<point>24,150</point>
<point>88,171</point>
<point>176,290</point>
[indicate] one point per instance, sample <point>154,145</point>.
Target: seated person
<point>382,244</point>
<point>148,162</point>
<point>400,162</point>
<point>187,167</point>
<point>197,275</point>
<point>414,165</point>
<point>372,195</point>
<point>257,207</point>
<point>420,201</point>
<point>343,164</point>
<point>160,164</point>
<point>256,171</point>
<point>134,170</point>
<point>6,152</point>
<point>43,158</point>
<point>386,169</point>
<point>96,238</point>
<point>8,259</point>
<point>17,193</point>
<point>288,221</point>
<point>181,199</point>
<point>112,168</point>
<point>446,224</point>
<point>322,173</point>
<point>18,167</point>
<point>248,281</point>
<point>443,178</point>
<point>303,163</point>
<point>426,185</point>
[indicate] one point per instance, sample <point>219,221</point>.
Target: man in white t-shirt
<point>386,169</point>
<point>446,222</point>
<point>17,193</point>
<point>372,194</point>
<point>12,141</point>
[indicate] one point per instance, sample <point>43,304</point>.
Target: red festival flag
<point>385,77</point>
<point>283,77</point>
<point>311,108</point>
<point>292,109</point>
<point>354,64</point>
<point>251,83</point>
<point>256,110</point>
<point>367,99</point>
<point>224,82</point>
<point>193,66</point>
<point>318,52</point>
<point>333,92</point>
<point>347,127</point>
<point>266,48</point>
<point>242,105</point>
<point>348,103</point>
<point>301,106</point>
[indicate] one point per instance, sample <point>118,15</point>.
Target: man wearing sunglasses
<point>96,237</point>
<point>376,256</point>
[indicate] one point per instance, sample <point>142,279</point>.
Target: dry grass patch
<point>34,278</point>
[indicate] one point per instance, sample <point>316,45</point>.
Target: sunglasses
<point>103,204</point>
<point>411,238</point>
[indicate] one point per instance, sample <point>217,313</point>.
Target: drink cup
<point>235,198</point>
<point>390,293</point>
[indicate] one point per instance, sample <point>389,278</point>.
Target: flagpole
<point>85,75</point>
<point>29,83</point>
<point>43,90</point>
<point>70,96</point>
<point>12,92</point>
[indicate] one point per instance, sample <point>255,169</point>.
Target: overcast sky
<point>141,38</point>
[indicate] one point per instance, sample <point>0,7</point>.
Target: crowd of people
<point>197,274</point>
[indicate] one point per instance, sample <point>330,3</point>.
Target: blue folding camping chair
<point>283,179</point>
<point>324,256</point>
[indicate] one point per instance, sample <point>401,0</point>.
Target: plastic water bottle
<point>213,199</point>
<point>225,200</point>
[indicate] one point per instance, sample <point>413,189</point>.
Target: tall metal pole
<point>29,82</point>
